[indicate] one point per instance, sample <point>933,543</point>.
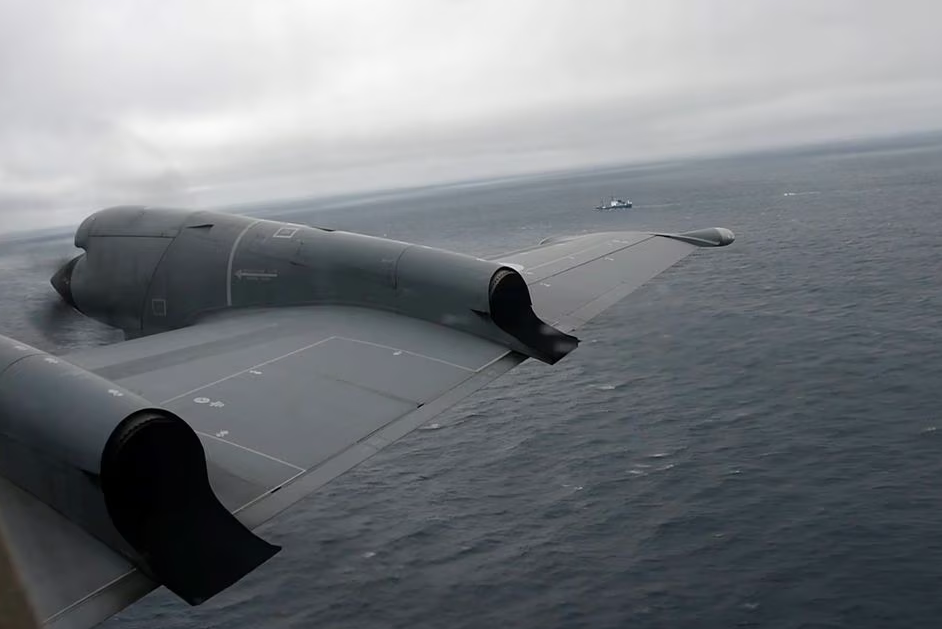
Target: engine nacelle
<point>131,474</point>
<point>123,248</point>
<point>150,270</point>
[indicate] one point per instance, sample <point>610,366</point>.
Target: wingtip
<point>710,237</point>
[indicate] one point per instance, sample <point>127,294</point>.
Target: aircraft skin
<point>264,359</point>
<point>15,609</point>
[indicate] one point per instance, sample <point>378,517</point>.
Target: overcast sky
<point>209,102</point>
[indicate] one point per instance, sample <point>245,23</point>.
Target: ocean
<point>750,440</point>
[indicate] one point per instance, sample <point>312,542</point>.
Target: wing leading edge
<point>284,400</point>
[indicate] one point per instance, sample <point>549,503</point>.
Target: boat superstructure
<point>613,204</point>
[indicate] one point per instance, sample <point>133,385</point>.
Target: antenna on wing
<point>16,612</point>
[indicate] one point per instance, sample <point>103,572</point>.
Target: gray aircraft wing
<point>286,399</point>
<point>572,279</point>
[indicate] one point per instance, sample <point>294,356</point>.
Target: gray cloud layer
<point>223,101</point>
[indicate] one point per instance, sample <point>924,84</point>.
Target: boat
<point>613,204</point>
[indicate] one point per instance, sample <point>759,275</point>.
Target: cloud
<point>220,101</point>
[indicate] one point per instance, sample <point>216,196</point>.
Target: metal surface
<point>16,610</point>
<point>294,353</point>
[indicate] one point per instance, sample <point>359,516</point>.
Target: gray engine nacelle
<point>132,475</point>
<point>149,270</point>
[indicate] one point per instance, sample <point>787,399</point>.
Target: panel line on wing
<point>268,492</point>
<point>567,256</point>
<point>528,250</point>
<point>492,362</point>
<point>405,351</point>
<point>250,450</point>
<point>244,371</point>
<point>363,387</point>
<point>576,266</point>
<point>87,597</point>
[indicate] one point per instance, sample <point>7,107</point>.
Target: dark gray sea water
<point>751,440</point>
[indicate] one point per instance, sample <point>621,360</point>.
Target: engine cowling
<point>149,270</point>
<point>479,296</point>
<point>131,474</point>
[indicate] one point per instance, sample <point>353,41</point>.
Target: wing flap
<point>328,380</point>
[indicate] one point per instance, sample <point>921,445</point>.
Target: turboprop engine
<point>131,474</point>
<point>148,270</point>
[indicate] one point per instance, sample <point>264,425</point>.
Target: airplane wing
<point>572,279</point>
<point>15,607</point>
<point>286,399</point>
